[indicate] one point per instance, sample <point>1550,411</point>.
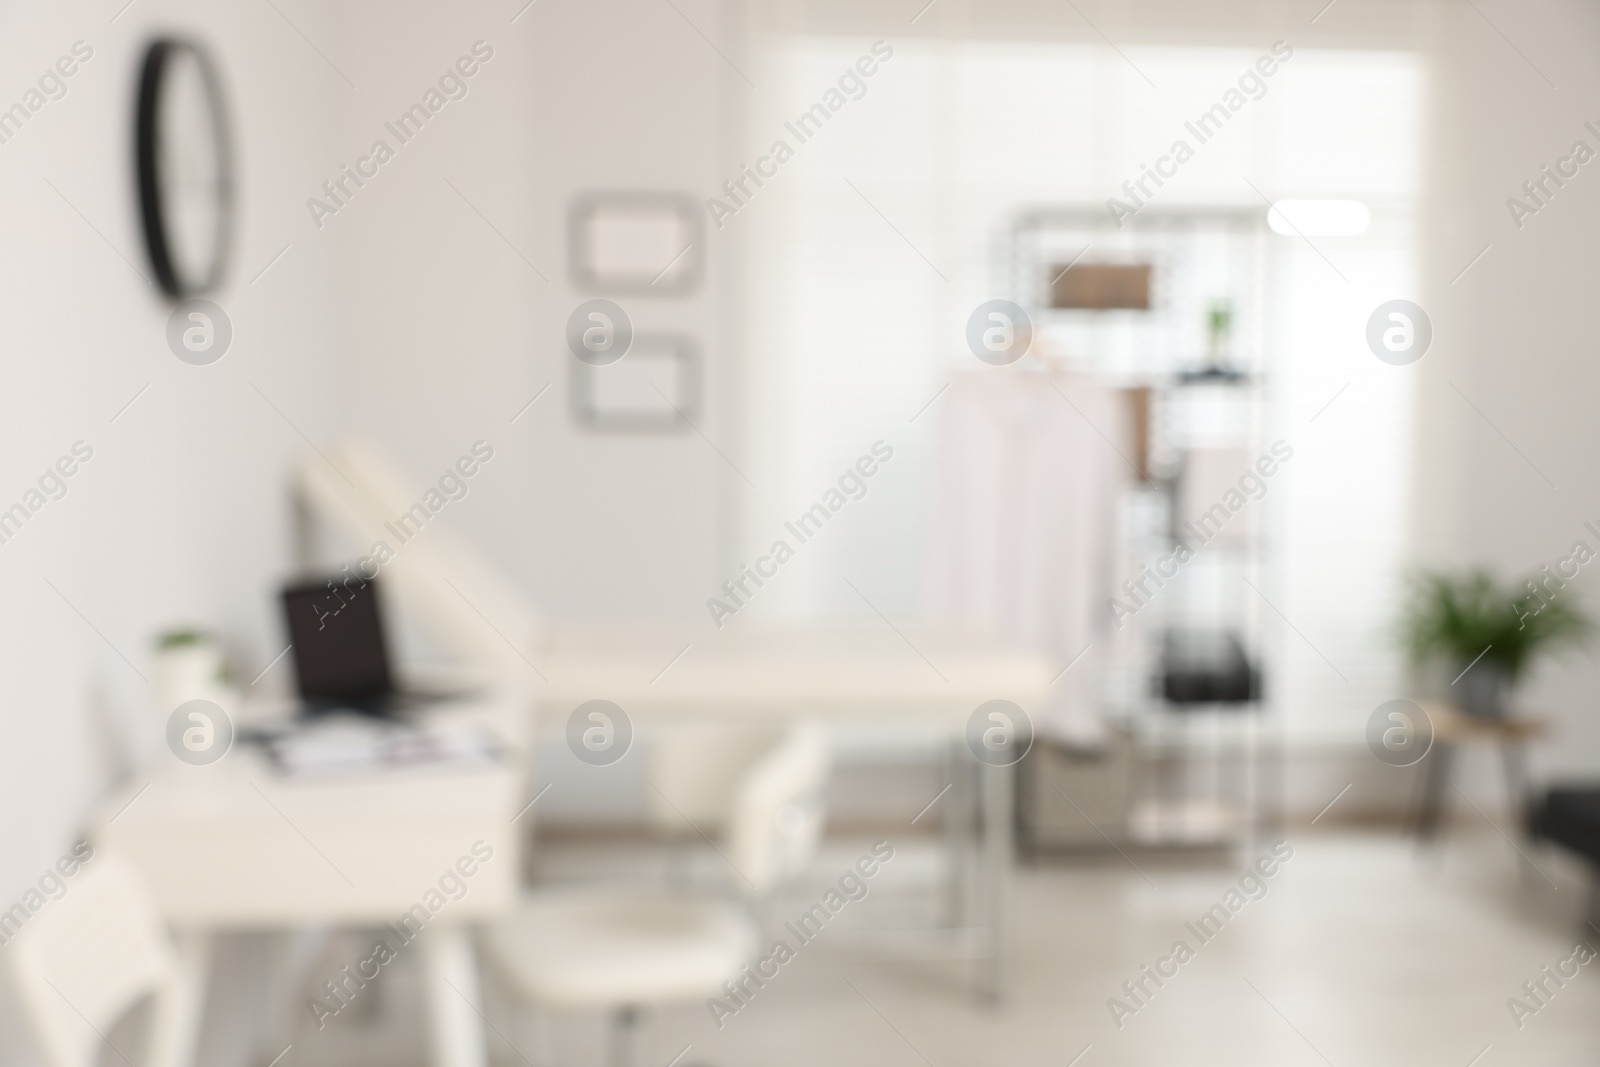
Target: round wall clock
<point>185,168</point>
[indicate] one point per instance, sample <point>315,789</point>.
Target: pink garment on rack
<point>1025,499</point>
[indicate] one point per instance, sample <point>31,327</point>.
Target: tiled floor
<point>1358,953</point>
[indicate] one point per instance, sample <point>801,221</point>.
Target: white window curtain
<point>870,247</point>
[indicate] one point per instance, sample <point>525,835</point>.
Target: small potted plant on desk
<point>1489,633</point>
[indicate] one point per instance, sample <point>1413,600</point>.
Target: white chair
<point>695,770</point>
<point>627,948</point>
<point>85,959</point>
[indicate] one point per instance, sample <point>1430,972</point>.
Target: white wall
<point>179,517</point>
<point>452,320</point>
<point>406,317</point>
<point>1515,334</point>
<point>448,328</point>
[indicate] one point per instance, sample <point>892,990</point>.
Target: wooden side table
<point>1453,728</point>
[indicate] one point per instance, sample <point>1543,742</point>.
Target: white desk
<point>237,845</point>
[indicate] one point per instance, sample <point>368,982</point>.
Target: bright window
<point>872,245</point>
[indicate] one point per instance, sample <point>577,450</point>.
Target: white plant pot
<point>187,672</point>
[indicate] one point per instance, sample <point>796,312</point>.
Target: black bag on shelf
<point>1207,667</point>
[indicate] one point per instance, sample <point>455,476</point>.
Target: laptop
<point>353,717</point>
<point>341,655</point>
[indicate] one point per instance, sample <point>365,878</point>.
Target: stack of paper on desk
<point>347,744</point>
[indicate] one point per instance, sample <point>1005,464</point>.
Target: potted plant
<point>188,666</point>
<point>1488,633</point>
<point>1219,328</point>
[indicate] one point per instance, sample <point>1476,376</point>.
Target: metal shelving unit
<point>1198,766</point>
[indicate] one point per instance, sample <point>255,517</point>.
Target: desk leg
<point>1436,779</point>
<point>452,981</point>
<point>289,957</point>
<point>996,874</point>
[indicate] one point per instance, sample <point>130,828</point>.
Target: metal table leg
<point>1515,757</point>
<point>996,875</point>
<point>1436,780</point>
<point>958,820</point>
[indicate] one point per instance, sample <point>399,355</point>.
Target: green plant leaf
<point>1462,616</point>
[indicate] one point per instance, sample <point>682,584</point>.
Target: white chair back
<point>85,959</point>
<point>694,772</point>
<point>776,818</point>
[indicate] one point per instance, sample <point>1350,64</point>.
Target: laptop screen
<point>339,651</point>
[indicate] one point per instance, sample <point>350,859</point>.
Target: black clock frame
<point>152,82</point>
